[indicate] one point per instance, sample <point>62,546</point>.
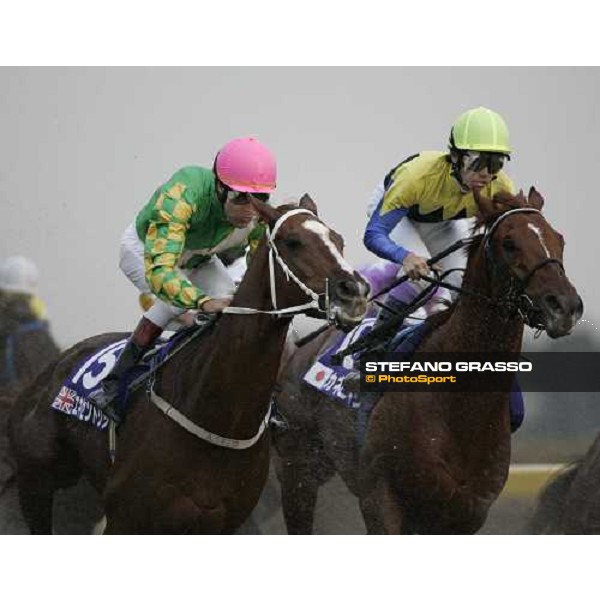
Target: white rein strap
<point>212,438</point>
<point>274,255</point>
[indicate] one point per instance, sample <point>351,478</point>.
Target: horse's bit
<point>516,297</point>
<point>213,438</point>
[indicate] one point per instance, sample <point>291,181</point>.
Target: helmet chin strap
<point>456,163</point>
<point>274,256</point>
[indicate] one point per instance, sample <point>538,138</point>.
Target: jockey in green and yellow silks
<point>170,250</point>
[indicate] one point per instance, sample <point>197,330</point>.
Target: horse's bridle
<point>516,299</point>
<point>314,304</point>
<point>514,302</point>
<point>201,433</point>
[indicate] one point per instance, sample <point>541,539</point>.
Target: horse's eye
<point>292,243</point>
<point>509,245</point>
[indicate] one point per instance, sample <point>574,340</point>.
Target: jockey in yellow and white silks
<point>425,203</point>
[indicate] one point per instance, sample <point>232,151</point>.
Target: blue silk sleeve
<point>377,234</point>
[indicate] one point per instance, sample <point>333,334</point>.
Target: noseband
<point>213,438</point>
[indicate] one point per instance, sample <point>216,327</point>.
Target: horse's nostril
<point>553,303</point>
<point>347,288</point>
<point>579,308</point>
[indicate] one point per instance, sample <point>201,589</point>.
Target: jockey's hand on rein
<point>215,305</point>
<point>415,266</point>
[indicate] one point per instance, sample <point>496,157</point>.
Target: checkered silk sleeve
<point>163,246</point>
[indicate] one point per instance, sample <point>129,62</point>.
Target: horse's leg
<point>44,465</point>
<point>381,509</point>
<point>36,498</point>
<point>302,468</point>
<point>37,486</point>
<point>299,490</point>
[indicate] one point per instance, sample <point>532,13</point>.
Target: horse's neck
<point>230,378</point>
<point>479,325</point>
<point>476,325</point>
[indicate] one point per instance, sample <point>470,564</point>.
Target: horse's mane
<point>503,201</point>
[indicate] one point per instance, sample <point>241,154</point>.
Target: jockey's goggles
<point>236,197</point>
<point>477,161</point>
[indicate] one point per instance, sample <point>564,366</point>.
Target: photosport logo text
<point>477,372</point>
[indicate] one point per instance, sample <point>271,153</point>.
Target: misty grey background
<point>84,148</point>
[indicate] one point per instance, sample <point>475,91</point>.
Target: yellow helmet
<point>482,130</point>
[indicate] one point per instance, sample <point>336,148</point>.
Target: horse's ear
<point>267,213</point>
<point>308,203</point>
<point>535,198</point>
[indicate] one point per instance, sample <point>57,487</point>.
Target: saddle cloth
<point>329,378</point>
<point>72,398</point>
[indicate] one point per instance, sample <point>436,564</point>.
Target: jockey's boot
<point>377,351</point>
<point>395,307</point>
<point>140,341</point>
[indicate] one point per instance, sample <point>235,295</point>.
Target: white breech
<point>212,277</point>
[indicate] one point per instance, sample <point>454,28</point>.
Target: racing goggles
<point>236,197</point>
<point>477,161</point>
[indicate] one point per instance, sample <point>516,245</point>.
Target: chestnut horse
<point>433,462</point>
<point>167,478</point>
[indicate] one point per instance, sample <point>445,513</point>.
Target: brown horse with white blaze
<point>434,462</point>
<point>166,479</point>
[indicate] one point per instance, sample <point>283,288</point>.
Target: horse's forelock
<point>504,201</point>
<point>283,208</point>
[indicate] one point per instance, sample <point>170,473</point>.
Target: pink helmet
<point>246,165</point>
